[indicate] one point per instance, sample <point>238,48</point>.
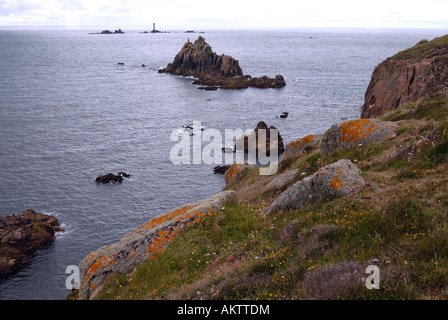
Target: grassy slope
<point>418,51</point>
<point>400,218</point>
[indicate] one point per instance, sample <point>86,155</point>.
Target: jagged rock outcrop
<point>215,71</point>
<point>358,132</point>
<point>333,181</point>
<point>410,75</point>
<point>21,235</point>
<point>144,243</point>
<point>243,144</point>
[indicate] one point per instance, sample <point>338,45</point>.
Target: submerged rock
<point>215,71</point>
<point>21,235</point>
<point>334,181</point>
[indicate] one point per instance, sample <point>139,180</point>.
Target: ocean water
<point>69,112</point>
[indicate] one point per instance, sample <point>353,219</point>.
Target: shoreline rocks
<point>20,237</point>
<point>215,71</point>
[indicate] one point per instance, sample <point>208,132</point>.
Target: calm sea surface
<point>69,112</point>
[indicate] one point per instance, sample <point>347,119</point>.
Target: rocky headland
<point>411,74</point>
<point>365,191</point>
<point>21,235</point>
<point>197,59</point>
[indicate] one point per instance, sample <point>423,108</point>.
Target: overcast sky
<point>228,14</point>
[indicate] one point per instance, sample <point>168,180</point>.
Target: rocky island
<point>21,235</point>
<point>109,32</point>
<point>215,71</point>
<point>364,192</point>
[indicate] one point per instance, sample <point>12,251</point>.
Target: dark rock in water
<point>108,178</point>
<point>21,235</point>
<point>123,174</point>
<point>215,71</point>
<point>212,88</point>
<point>121,63</point>
<point>220,169</point>
<point>284,115</point>
<point>244,140</point>
<point>265,82</point>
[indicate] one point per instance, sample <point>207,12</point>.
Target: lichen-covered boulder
<point>144,243</point>
<point>353,133</point>
<point>299,146</point>
<point>333,181</point>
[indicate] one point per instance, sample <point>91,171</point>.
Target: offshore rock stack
<point>215,71</point>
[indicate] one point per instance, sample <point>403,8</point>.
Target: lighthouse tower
<point>154,27</point>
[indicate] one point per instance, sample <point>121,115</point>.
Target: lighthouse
<point>153,27</point>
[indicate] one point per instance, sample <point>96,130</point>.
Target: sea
<point>75,105</point>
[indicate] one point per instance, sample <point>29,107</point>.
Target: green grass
<point>268,257</point>
<point>418,51</point>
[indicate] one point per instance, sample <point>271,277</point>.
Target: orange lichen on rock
<point>232,172</point>
<point>301,142</point>
<point>163,218</point>
<point>355,130</point>
<point>101,262</point>
<point>336,183</point>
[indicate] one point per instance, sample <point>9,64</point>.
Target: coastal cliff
<point>215,71</point>
<point>364,192</point>
<point>412,74</point>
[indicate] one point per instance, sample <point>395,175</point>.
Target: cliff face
<point>412,74</point>
<point>215,71</point>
